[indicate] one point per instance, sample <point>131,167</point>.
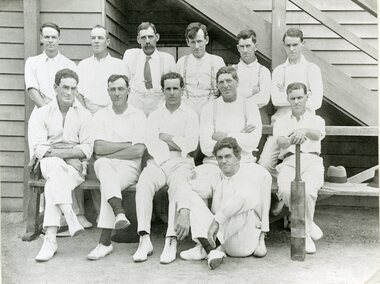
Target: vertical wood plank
<point>31,48</point>
<point>278,30</point>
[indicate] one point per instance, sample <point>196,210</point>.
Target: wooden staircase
<point>340,90</point>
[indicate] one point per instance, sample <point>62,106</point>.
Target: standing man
<point>231,115</point>
<point>40,70</point>
<point>172,133</point>
<point>118,145</point>
<point>145,68</point>
<point>305,128</point>
<point>94,71</point>
<point>199,68</point>
<point>254,78</point>
<point>60,137</point>
<point>233,225</point>
<point>295,69</point>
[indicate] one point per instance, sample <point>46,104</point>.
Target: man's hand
<point>248,129</point>
<point>255,90</point>
<point>281,87</point>
<point>212,231</point>
<point>298,136</point>
<point>76,163</point>
<point>182,227</point>
<point>165,137</point>
<point>219,135</point>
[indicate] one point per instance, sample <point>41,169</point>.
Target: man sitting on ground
<point>305,128</point>
<point>118,145</point>
<point>172,133</point>
<point>60,137</point>
<point>233,225</point>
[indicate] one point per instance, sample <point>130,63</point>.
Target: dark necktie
<point>147,74</point>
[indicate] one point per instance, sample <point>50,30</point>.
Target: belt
<point>291,154</point>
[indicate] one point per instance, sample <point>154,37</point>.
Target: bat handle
<point>298,162</point>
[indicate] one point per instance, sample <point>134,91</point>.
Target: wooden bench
<point>355,188</point>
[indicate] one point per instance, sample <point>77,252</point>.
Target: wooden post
<point>31,48</point>
<point>278,30</point>
<point>297,204</point>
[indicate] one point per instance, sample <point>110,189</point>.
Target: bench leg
<point>33,216</point>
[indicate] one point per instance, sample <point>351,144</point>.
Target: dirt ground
<point>348,253</point>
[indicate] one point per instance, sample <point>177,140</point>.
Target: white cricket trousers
<point>61,179</point>
<point>239,236</point>
<point>269,156</point>
<point>114,175</point>
<point>207,173</point>
<point>311,173</point>
<point>174,173</point>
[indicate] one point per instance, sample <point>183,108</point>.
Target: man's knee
<point>50,164</point>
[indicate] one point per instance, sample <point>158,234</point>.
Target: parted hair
<point>115,77</point>
<point>296,86</point>
<point>248,33</point>
<point>145,26</point>
<point>293,32</point>
<point>65,73</point>
<point>193,28</point>
<point>227,70</point>
<point>50,25</point>
<point>172,75</point>
<point>228,142</point>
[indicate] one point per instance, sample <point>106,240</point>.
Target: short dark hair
<point>102,27</point>
<point>50,25</point>
<point>65,73</point>
<point>145,26</point>
<point>227,70</point>
<point>172,75</point>
<point>248,33</point>
<point>193,28</point>
<point>115,77</point>
<point>296,86</point>
<point>293,32</point>
<point>228,142</point>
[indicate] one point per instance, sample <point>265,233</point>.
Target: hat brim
<point>332,185</point>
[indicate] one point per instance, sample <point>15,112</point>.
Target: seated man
<point>118,144</point>
<point>231,115</point>
<point>60,137</point>
<point>172,133</point>
<point>305,128</point>
<point>233,225</point>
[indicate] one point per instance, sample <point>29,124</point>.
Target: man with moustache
<point>145,68</point>
<point>94,71</point>
<point>119,131</point>
<point>59,136</point>
<point>199,68</point>
<point>171,135</point>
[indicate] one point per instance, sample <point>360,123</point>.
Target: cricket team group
<point>197,123</point>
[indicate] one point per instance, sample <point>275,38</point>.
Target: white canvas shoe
<point>168,255</point>
<point>316,232</point>
<point>215,258</point>
<point>100,251</point>
<point>121,222</point>
<point>84,222</point>
<point>195,253</point>
<point>310,245</point>
<point>47,251</point>
<point>144,250</point>
<point>261,249</point>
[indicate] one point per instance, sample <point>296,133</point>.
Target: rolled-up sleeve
<point>314,101</point>
<point>38,134</point>
<point>86,141</point>
<point>157,148</point>
<point>30,74</point>
<point>262,98</point>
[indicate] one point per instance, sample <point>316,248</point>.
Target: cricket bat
<point>297,201</point>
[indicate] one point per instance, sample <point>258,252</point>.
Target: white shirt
<point>230,118</point>
<point>304,72</point>
<point>286,124</point>
<point>198,78</point>
<point>46,129</point>
<point>238,193</point>
<point>160,63</point>
<point>254,75</point>
<point>93,76</point>
<point>129,126</point>
<point>182,124</point>
<point>40,72</point>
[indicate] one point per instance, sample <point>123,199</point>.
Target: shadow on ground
<point>348,253</point>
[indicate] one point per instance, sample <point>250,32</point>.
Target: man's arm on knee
<point>36,96</point>
<point>130,152</point>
